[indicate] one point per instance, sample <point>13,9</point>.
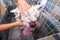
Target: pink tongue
<point>26,31</point>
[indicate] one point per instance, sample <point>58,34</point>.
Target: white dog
<point>33,13</point>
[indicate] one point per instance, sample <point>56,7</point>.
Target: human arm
<point>10,25</point>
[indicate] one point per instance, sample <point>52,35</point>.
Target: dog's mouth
<point>32,24</point>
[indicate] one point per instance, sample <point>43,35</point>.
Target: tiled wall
<point>50,17</point>
<point>53,8</point>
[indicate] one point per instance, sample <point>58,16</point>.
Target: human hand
<point>20,23</point>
